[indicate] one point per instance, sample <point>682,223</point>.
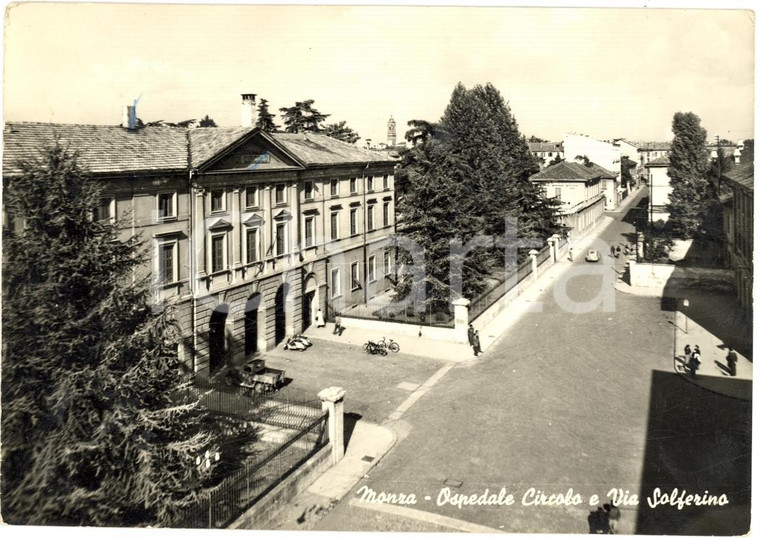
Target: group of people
<point>615,251</point>
<point>473,337</point>
<point>605,519</point>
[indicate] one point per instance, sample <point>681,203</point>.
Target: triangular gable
<point>219,224</point>
<point>253,220</point>
<point>255,151</point>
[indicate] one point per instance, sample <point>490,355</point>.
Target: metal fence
<point>239,491</point>
<point>302,427</point>
<point>505,284</point>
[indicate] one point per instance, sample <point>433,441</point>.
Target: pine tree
<point>303,117</point>
<point>691,199</point>
<point>90,432</point>
<point>207,122</point>
<point>266,118</point>
<point>341,131</point>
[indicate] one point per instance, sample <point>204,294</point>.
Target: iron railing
<point>220,506</point>
<point>505,284</point>
<point>410,315</point>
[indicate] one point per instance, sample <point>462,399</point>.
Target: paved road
<point>564,400</point>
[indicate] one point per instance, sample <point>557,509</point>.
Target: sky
<point>606,73</point>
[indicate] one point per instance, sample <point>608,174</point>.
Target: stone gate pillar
<point>332,401</point>
<point>461,319</point>
<point>534,263</point>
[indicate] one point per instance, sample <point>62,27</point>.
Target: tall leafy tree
<point>303,117</point>
<point>265,122</point>
<point>207,122</point>
<point>464,176</point>
<point>693,198</point>
<point>90,434</point>
<point>341,131</point>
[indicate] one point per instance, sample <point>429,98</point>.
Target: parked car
<point>592,255</point>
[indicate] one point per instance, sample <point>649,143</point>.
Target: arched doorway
<point>252,324</point>
<point>310,302</point>
<point>280,321</point>
<point>216,337</point>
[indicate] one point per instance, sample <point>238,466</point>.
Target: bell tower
<point>391,133</point>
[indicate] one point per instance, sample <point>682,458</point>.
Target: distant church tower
<point>391,133</point>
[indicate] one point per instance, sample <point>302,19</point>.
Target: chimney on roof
<point>129,117</point>
<point>248,110</point>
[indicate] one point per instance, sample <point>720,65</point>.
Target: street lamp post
<point>685,315</point>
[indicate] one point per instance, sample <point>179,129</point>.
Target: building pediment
<point>253,220</point>
<point>254,152</point>
<point>219,224</point>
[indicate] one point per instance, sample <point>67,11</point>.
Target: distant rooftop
<point>572,171</point>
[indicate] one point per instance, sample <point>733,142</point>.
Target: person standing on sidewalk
<point>695,361</point>
<point>731,359</point>
<point>320,318</point>
<point>470,334</point>
<point>613,516</point>
<point>476,343</point>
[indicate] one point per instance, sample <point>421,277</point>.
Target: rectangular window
<point>334,231</point>
<point>217,200</point>
<point>355,283</point>
<point>558,193</point>
<point>370,184</point>
<point>167,262</point>
<point>308,190</point>
<point>386,183</point>
<point>352,184</point>
<point>251,197</point>
<point>371,269</point>
<point>334,187</point>
<point>281,241</point>
<point>166,205</point>
<point>386,214</point>
<point>104,210</point>
<point>309,231</point>
<point>217,253</point>
<point>279,194</point>
<point>335,281</point>
<point>354,221</point>
<point>252,245</point>
<point>370,218</point>
<point>387,262</point>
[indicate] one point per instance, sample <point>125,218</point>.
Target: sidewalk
<point>368,443</point>
<point>713,373</point>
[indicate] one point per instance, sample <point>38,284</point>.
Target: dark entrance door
<point>279,313</point>
<point>308,315</point>
<point>216,337</point>
<point>251,323</point>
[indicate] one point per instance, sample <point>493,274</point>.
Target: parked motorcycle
<point>374,348</point>
<point>295,344</point>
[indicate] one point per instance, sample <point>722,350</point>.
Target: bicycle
<point>374,348</point>
<point>390,345</point>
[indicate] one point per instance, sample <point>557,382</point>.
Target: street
<point>571,404</point>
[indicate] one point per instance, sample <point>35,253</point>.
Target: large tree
<point>341,131</point>
<point>465,176</point>
<point>303,117</point>
<point>693,198</point>
<point>90,433</point>
<point>265,122</point>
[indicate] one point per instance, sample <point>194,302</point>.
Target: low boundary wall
<point>660,276</point>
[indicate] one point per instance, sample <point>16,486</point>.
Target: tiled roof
<point>571,171</point>
<point>743,174</point>
<point>545,146</point>
<point>652,146</point>
<point>113,149</point>
<point>206,142</point>
<point>658,162</point>
<point>102,148</point>
<point>316,149</point>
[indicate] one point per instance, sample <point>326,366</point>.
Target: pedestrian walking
<point>612,251</point>
<point>731,359</point>
<point>695,361</point>
<point>470,334</point>
<point>617,251</point>
<point>687,352</point>
<point>627,250</point>
<point>570,253</point>
<point>320,318</point>
<point>476,343</point>
<point>338,329</point>
<point>613,516</point>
